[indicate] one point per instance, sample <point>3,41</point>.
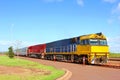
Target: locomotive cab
<point>95,47</point>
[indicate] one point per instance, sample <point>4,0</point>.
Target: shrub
<point>10,52</point>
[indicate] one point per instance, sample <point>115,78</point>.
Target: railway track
<point>112,63</point>
<point>114,59</point>
<point>109,66</point>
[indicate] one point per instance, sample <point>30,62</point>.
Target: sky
<point>29,22</point>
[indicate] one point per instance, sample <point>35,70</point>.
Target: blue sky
<point>29,22</point>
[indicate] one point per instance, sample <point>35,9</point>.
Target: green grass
<point>6,61</point>
<point>114,55</point>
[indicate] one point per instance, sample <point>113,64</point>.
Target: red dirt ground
<point>83,72</point>
<point>22,71</point>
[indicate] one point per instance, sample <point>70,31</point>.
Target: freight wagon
<point>92,48</point>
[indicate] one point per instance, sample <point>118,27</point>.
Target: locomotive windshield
<point>97,42</point>
<point>103,42</point>
<point>93,42</point>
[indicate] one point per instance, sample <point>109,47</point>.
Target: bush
<point>10,52</point>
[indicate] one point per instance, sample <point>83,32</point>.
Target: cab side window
<point>85,42</point>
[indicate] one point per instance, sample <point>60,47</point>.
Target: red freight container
<point>37,49</point>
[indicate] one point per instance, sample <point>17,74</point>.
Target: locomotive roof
<point>93,36</point>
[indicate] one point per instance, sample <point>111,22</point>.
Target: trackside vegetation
<point>16,62</point>
<point>10,52</point>
<point>114,55</point>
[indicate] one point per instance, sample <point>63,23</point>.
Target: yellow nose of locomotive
<point>99,49</point>
<point>95,47</point>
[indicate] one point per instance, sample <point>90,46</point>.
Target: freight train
<point>92,48</point>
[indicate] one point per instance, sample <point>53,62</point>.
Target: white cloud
<point>115,14</point>
<point>4,43</point>
<point>116,10</point>
<point>114,44</point>
<point>115,48</point>
<point>115,39</point>
<point>80,2</point>
<point>21,44</point>
<point>110,21</point>
<point>110,1</point>
<point>52,1</point>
